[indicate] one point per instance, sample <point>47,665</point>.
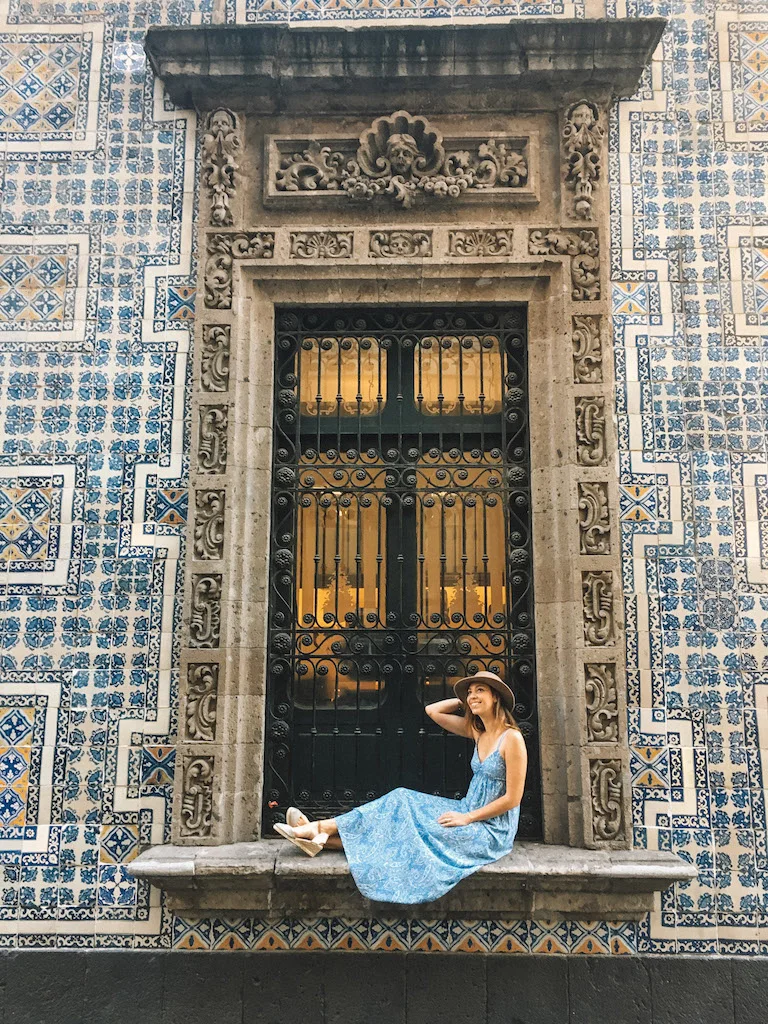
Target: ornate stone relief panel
<point>582,145</point>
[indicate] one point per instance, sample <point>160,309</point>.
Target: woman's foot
<point>294,817</point>
<point>309,844</point>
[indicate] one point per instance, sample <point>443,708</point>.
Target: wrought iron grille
<point>400,550</point>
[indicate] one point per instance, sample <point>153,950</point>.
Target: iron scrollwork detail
<point>584,249</point>
<point>490,242</point>
<point>582,141</point>
<point>221,251</point>
<point>209,524</point>
<point>202,695</point>
<point>597,606</point>
<point>205,616</point>
<point>197,796</point>
<point>321,245</point>
<point>606,786</point>
<point>214,358</point>
<point>400,156</point>
<point>221,144</point>
<point>602,703</point>
<point>212,439</point>
<point>594,521</point>
<point>590,430</point>
<point>587,351</point>
<point>398,244</point>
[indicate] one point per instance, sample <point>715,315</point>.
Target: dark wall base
<point>100,987</point>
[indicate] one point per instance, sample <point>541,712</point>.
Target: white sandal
<point>309,846</point>
<point>294,817</point>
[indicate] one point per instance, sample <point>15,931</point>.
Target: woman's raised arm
<point>444,713</point>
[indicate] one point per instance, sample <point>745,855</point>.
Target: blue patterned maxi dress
<point>398,853</point>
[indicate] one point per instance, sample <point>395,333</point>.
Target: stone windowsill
<point>535,881</point>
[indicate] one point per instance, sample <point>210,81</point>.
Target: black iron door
<point>400,551</point>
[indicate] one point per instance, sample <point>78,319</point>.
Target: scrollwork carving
<point>489,242</point>
<point>197,796</point>
<point>590,430</point>
<point>209,524</point>
<point>220,146</point>
<point>584,249</point>
<point>205,617</point>
<point>594,522</point>
<point>400,156</point>
<point>214,358</point>
<point>587,351</point>
<point>582,142</point>
<point>212,439</point>
<point>602,703</point>
<point>202,694</point>
<point>398,244</point>
<point>597,606</point>
<point>606,785</point>
<point>221,251</point>
<point>323,245</point>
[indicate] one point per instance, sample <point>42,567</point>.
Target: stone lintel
<point>337,69</point>
<point>534,881</point>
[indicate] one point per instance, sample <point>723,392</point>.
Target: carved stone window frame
<point>552,258</point>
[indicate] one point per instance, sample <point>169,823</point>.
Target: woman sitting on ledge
<point>409,847</point>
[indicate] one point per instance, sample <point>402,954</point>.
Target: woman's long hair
<point>501,712</point>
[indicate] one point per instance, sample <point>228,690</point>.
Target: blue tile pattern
<point>96,300</point>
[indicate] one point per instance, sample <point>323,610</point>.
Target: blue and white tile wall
<point>97,268</point>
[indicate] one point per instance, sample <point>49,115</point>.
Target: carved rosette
<point>590,430</point>
<point>220,145</point>
<point>480,243</point>
<point>209,524</point>
<point>321,245</point>
<point>602,703</point>
<point>212,439</point>
<point>202,695</point>
<point>597,606</point>
<point>606,779</point>
<point>221,251</point>
<point>197,796</point>
<point>205,616</point>
<point>214,358</point>
<point>594,521</point>
<point>587,351</point>
<point>582,144</point>
<point>584,249</point>
<point>398,244</point>
<point>401,156</point>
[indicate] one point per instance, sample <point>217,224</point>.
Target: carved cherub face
<point>401,152</point>
<point>583,116</point>
<point>221,121</point>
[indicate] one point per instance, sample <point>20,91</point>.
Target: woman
<point>409,847</point>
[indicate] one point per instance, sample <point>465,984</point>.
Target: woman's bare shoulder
<point>513,741</point>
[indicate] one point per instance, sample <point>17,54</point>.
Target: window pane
<point>459,375</point>
<point>342,376</point>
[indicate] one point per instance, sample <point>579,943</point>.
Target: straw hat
<point>490,679</point>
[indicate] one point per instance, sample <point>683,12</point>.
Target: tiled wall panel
<point>96,299</point>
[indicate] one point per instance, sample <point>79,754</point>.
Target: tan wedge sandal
<point>309,846</point>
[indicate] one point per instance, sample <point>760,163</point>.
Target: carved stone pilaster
<point>321,245</point>
<point>205,616</point>
<point>212,439</point>
<point>221,144</point>
<point>214,358</point>
<point>590,430</point>
<point>598,610</point>
<point>587,351</point>
<point>489,242</point>
<point>582,144</point>
<point>221,251</point>
<point>606,778</point>
<point>202,695</point>
<point>594,519</point>
<point>584,249</point>
<point>197,796</point>
<point>398,244</point>
<point>602,703</point>
<point>209,524</point>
